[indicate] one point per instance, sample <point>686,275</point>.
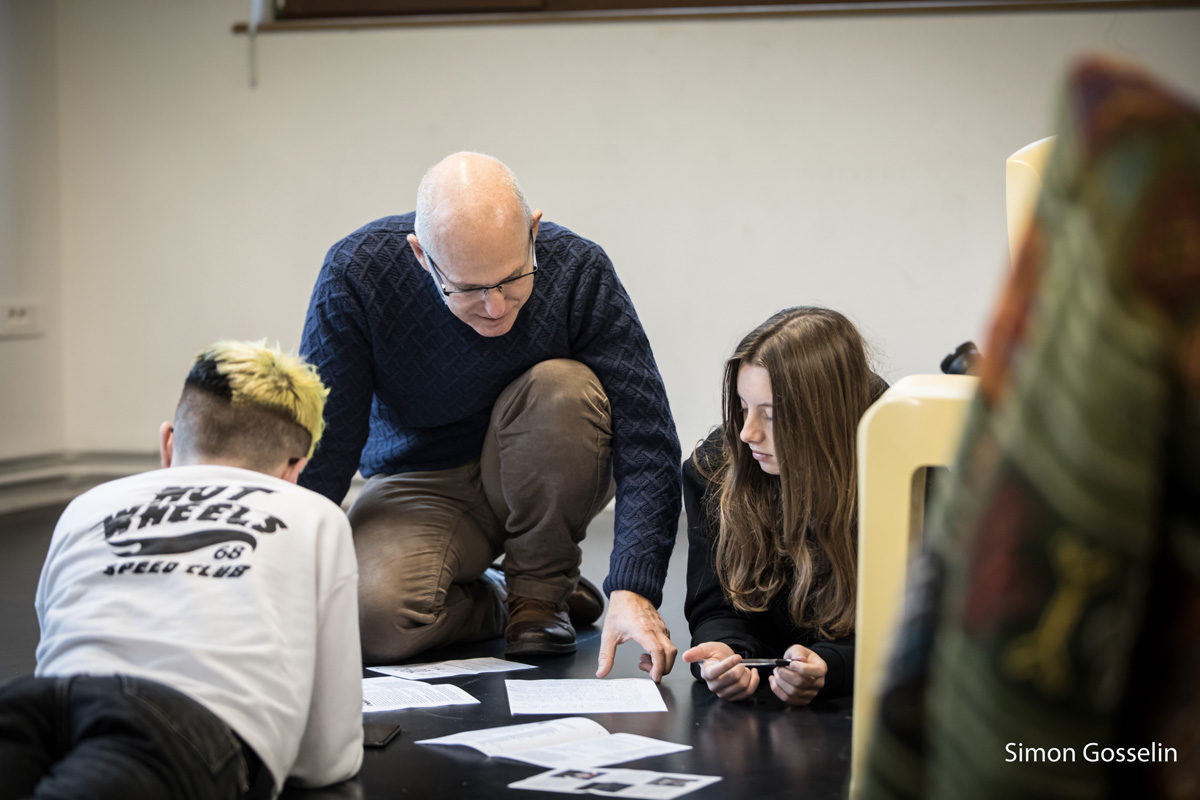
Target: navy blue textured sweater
<point>412,386</point>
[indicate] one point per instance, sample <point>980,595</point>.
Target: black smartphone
<point>378,734</point>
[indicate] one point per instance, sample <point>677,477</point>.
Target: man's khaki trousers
<point>423,539</point>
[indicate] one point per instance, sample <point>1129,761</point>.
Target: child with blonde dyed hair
<point>244,402</point>
<point>199,622</point>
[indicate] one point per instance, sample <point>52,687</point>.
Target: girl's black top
<point>710,616</point>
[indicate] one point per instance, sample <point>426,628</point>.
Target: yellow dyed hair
<point>254,374</point>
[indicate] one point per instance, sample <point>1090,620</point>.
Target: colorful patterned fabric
<point>1055,611</point>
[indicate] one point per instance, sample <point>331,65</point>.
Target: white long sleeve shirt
<point>233,587</point>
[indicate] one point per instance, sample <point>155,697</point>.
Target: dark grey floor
<point>24,537</point>
<point>761,749</point>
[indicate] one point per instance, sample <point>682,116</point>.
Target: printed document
<point>584,696</point>
<point>447,669</point>
<point>568,742</point>
<point>617,783</point>
<point>387,694</point>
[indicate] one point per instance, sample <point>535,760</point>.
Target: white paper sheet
<point>532,735</point>
<point>573,742</point>
<point>584,696</point>
<point>447,669</point>
<point>599,752</point>
<point>386,694</point>
<point>617,783</point>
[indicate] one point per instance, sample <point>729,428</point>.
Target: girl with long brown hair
<point>771,498</point>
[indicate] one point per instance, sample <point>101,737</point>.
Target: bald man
<point>491,380</point>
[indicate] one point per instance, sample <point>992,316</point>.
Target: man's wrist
<point>638,577</point>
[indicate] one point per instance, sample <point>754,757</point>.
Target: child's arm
<point>331,749</point>
<point>709,615</point>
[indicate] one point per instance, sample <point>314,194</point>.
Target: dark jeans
<point>114,737</point>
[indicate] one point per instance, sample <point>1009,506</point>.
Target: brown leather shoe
<point>536,627</point>
<point>585,604</point>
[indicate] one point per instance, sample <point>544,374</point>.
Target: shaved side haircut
<point>250,404</point>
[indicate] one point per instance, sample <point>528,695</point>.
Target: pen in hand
<point>767,662</point>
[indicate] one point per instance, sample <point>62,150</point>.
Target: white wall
<point>729,167</point>
<point>31,380</point>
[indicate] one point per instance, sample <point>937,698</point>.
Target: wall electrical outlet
<point>20,318</point>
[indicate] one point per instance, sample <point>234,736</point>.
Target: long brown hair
<point>797,527</point>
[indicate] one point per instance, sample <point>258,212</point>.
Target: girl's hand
<point>722,671</point>
<point>798,683</point>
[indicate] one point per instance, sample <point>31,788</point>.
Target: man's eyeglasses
<point>479,293</point>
